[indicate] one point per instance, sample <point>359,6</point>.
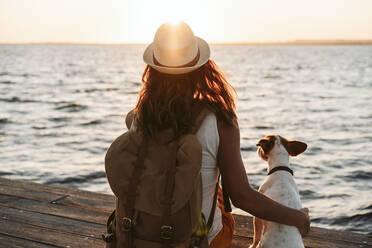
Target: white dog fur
<point>281,187</point>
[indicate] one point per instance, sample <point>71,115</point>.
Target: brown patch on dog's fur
<point>293,147</point>
<point>266,144</point>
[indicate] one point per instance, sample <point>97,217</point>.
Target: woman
<point>179,77</point>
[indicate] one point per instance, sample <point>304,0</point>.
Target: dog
<point>280,186</point>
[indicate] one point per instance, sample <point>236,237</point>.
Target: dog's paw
<point>252,246</point>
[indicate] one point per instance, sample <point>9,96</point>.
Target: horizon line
<point>252,43</point>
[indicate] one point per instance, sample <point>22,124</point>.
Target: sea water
<point>62,105</point>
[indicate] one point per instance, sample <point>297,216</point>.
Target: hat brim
<point>204,50</point>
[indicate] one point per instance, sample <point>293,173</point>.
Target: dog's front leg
<point>258,225</point>
<point>257,230</point>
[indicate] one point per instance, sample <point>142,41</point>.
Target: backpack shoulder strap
<point>130,198</point>
<point>213,210</point>
<point>226,199</point>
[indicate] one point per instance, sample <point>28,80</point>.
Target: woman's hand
<point>305,227</point>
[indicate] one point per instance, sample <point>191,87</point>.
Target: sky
<point>218,21</point>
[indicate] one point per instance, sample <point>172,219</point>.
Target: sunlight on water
<point>62,105</point>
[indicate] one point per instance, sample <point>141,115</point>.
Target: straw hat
<point>176,50</point>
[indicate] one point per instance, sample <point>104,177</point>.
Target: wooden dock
<point>39,215</point>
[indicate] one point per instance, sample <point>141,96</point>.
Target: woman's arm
<point>242,195</point>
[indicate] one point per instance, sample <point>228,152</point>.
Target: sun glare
<point>197,14</point>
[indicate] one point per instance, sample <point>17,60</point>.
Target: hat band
<point>189,64</point>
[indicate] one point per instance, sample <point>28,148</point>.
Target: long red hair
<point>168,101</point>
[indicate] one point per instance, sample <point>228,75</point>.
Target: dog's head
<point>272,145</point>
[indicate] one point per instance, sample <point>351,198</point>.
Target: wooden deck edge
<point>32,214</point>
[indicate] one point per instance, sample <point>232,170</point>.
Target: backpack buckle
<point>108,238</point>
<point>166,232</point>
<point>126,223</point>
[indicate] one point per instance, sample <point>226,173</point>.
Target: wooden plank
<point>7,241</point>
<point>27,193</point>
<point>82,214</point>
<point>48,236</point>
<point>243,225</point>
<point>63,224</point>
<point>57,189</point>
<point>241,241</point>
<point>62,199</point>
<point>337,238</point>
<point>51,193</point>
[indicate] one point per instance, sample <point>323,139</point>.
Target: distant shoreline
<point>302,43</point>
<point>268,43</point>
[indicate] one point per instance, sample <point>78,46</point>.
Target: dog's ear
<point>265,145</point>
<point>293,147</point>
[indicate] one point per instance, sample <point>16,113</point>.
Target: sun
<point>151,14</point>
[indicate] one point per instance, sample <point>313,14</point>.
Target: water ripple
<point>359,175</point>
<point>16,99</point>
<point>71,107</point>
<point>7,82</point>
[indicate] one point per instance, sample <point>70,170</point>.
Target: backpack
<point>158,189</point>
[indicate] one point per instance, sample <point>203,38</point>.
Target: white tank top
<point>209,139</point>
